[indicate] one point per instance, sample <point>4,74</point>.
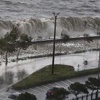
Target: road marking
<point>70,81</point>
<point>65,83</point>
<point>51,85</point>
<point>45,86</point>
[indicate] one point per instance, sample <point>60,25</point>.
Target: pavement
<point>40,91</point>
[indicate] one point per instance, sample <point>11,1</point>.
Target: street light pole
<point>55,16</point>
<point>99,64</point>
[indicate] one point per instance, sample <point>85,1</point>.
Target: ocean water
<point>34,17</point>
<point>19,9</point>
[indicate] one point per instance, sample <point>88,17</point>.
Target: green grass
<point>44,76</point>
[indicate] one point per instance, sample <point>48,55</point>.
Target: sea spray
<point>73,26</point>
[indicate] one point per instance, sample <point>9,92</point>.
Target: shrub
<point>26,96</point>
<point>61,93</point>
<point>77,88</point>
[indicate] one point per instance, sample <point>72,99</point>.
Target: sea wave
<point>73,26</point>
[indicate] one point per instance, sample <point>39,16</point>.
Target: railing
<point>91,96</point>
<point>68,40</point>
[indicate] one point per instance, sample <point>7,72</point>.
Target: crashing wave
<point>73,26</point>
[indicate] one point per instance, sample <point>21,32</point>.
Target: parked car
<point>58,93</point>
<point>13,95</point>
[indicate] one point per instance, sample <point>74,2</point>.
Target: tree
<point>77,88</point>
<point>26,96</point>
<point>65,37</point>
<point>61,93</point>
<point>23,42</point>
<point>93,84</point>
<point>87,37</point>
<point>7,45</point>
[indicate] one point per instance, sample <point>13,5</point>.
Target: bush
<point>77,88</point>
<point>26,96</point>
<point>61,93</point>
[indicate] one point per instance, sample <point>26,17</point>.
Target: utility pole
<point>99,64</point>
<point>55,16</point>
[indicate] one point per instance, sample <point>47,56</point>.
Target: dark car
<point>57,93</point>
<point>13,95</point>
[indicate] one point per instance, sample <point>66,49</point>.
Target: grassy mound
<point>44,76</point>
